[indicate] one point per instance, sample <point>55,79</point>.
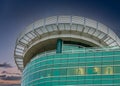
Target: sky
<point>15,15</point>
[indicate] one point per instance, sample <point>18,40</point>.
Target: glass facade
<point>74,67</point>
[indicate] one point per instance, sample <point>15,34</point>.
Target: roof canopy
<point>46,31</point>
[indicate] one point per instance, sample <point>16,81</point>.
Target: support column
<point>59,46</point>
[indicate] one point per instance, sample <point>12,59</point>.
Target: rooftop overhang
<point>45,32</point>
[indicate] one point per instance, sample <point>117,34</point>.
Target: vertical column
<point>59,46</point>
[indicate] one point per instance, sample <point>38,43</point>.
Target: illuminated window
<point>97,70</point>
<point>108,70</point>
<point>80,71</point>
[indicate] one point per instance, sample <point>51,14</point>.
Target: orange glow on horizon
<point>9,81</point>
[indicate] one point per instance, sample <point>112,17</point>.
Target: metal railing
<point>79,50</point>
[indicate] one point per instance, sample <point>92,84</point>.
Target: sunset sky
<point>15,15</point>
<point>9,74</point>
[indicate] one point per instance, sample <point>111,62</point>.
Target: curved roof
<point>46,31</point>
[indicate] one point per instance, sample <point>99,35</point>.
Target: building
<point>68,51</point>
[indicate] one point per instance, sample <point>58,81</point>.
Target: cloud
<point>5,65</point>
<point>11,78</point>
<point>4,77</point>
<point>10,85</point>
<point>5,72</point>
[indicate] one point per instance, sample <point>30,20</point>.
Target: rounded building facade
<point>68,51</point>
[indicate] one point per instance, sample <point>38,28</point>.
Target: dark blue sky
<point>15,15</point>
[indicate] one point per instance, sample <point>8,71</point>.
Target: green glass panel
<point>88,67</point>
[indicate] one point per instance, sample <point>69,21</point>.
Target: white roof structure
<point>46,31</point>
